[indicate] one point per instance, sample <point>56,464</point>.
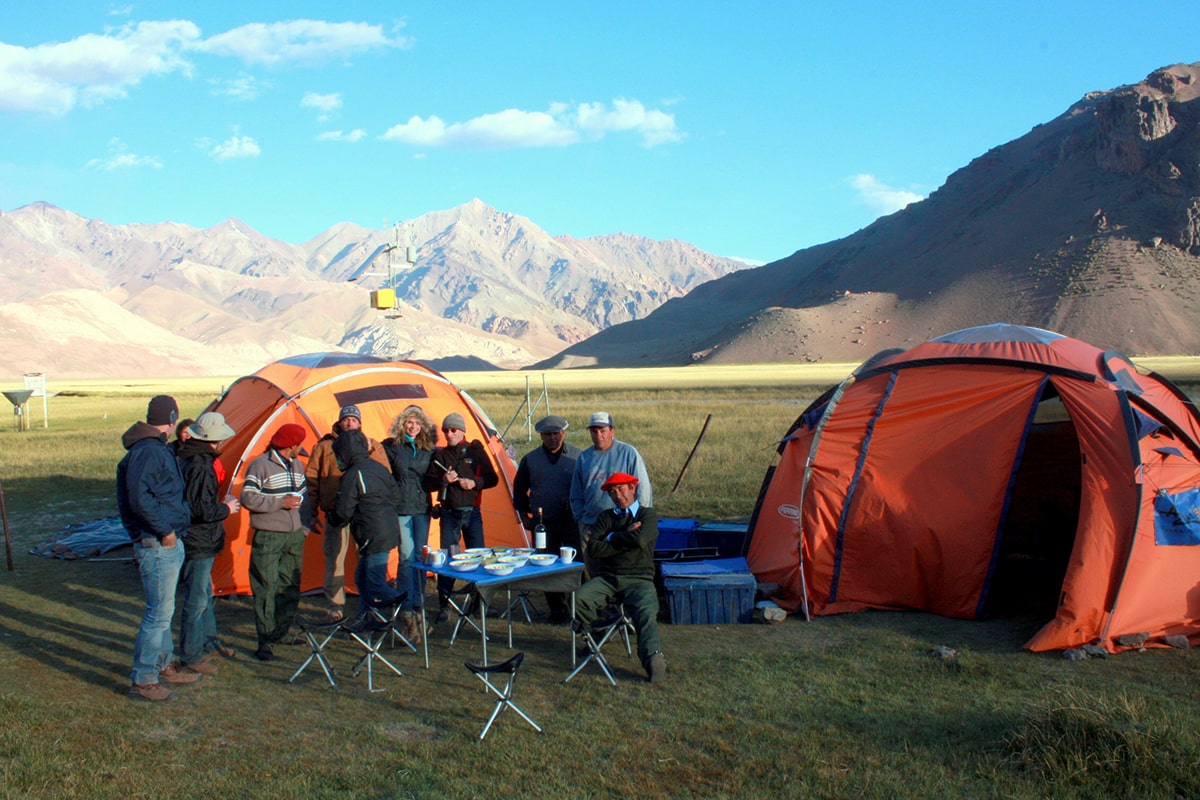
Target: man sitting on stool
<point>621,544</point>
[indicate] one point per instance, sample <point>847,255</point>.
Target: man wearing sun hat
<point>606,456</point>
<point>280,516</point>
<point>620,545</point>
<point>205,538</point>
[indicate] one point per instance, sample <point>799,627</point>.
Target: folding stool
<point>594,639</point>
<point>370,630</point>
<point>318,633</point>
<point>485,672</point>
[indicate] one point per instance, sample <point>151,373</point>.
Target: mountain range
<point>1088,225</point>
<point>80,297</point>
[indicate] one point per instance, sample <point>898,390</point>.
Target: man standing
<point>280,516</point>
<point>606,456</point>
<point>542,492</point>
<point>621,544</point>
<point>459,472</point>
<point>323,478</point>
<point>153,511</point>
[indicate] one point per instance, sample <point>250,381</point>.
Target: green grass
<point>847,706</point>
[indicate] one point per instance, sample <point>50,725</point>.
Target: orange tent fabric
<point>995,470</point>
<point>310,390</point>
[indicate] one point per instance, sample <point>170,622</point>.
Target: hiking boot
<point>203,666</point>
<point>263,653</point>
<point>152,692</point>
<point>657,667</point>
<point>225,651</point>
<point>442,615</point>
<point>173,674</point>
<point>410,627</point>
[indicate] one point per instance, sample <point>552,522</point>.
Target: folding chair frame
<point>484,673</point>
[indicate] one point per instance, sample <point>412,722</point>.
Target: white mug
<point>566,554</point>
<point>437,557</point>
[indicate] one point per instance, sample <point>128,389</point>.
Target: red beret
<point>288,435</point>
<point>618,478</point>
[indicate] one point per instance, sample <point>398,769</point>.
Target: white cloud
<point>54,78</point>
<point>325,104</point>
<point>235,147</point>
<point>342,136</point>
<point>558,126</point>
<point>298,41</point>
<point>119,158</point>
<point>881,197</point>
<point>243,87</point>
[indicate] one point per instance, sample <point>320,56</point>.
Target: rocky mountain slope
<point>80,297</point>
<point>1088,225</point>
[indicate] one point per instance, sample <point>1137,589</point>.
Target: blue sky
<point>750,130</point>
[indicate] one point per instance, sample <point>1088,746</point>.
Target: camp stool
<point>485,672</point>
<point>318,633</point>
<point>595,637</point>
<point>463,612</point>
<point>370,630</point>
<point>522,601</point>
<point>390,616</point>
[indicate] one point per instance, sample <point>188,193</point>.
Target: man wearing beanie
<point>458,473</point>
<point>153,510</point>
<point>324,477</point>
<point>280,516</point>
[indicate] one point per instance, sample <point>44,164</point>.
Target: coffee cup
<point>566,554</point>
<point>437,558</point>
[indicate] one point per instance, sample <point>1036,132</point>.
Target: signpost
<point>36,381</point>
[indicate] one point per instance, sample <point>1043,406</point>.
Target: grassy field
<point>848,706</point>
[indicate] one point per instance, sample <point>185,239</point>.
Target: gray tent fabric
<point>85,540</point>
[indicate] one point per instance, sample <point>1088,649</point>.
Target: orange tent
<point>995,470</point>
<point>310,390</point>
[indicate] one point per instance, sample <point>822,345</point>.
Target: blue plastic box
<point>709,592</point>
<point>728,537</point>
<point>676,534</point>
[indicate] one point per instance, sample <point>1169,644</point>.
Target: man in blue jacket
<point>153,510</point>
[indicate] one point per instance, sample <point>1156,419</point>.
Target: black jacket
<point>469,460</point>
<point>367,498</point>
<point>409,465</point>
<point>206,535</point>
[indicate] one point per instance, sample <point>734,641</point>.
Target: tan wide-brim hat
<point>211,427</point>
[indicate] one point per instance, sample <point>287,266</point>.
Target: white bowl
<point>543,560</point>
<point>499,568</point>
<point>480,551</point>
<point>465,564</point>
<point>523,551</point>
<point>515,561</point>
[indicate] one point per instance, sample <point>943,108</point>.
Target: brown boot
<point>657,667</point>
<point>173,674</point>
<point>152,692</point>
<point>411,627</point>
<point>203,666</point>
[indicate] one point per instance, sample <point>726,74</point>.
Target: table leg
<point>483,623</point>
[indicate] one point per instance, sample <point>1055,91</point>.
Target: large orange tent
<point>309,390</point>
<point>995,470</point>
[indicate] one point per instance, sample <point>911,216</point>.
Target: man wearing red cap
<point>280,516</point>
<point>620,544</point>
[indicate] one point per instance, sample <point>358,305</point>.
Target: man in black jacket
<point>459,472</point>
<point>367,501</point>
<point>205,538</point>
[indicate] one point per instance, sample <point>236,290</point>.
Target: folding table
<point>558,577</point>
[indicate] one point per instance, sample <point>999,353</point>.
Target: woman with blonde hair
<point>409,447</point>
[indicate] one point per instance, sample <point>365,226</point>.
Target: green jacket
<point>617,550</point>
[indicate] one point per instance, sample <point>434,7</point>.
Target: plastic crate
<point>728,537</point>
<point>709,592</point>
<point>676,534</point>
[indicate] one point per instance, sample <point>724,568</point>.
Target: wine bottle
<point>539,534</point>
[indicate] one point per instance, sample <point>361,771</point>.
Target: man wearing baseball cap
<point>620,545</point>
<point>153,510</point>
<point>606,456</point>
<point>280,516</point>
<point>324,477</point>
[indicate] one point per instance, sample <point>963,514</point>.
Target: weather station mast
<point>384,298</point>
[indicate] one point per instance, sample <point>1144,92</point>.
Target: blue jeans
<point>468,522</point>
<point>153,649</point>
<point>410,577</point>
<point>371,577</point>
<point>198,620</point>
